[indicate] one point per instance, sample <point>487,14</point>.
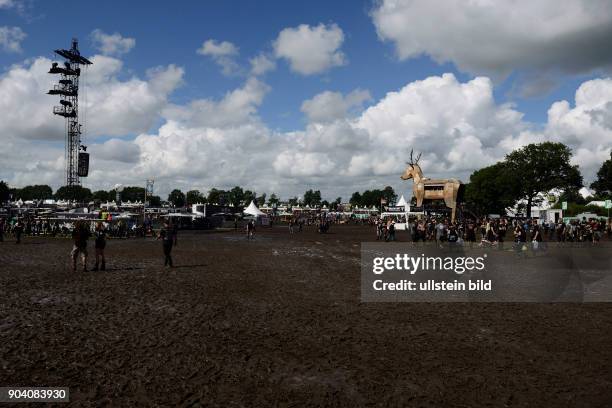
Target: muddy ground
<point>278,322</point>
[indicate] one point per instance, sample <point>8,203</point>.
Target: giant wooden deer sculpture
<point>431,189</point>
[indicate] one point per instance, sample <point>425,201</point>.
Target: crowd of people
<point>485,232</point>
<point>494,232</point>
<point>81,231</point>
<point>322,223</point>
<point>32,226</point>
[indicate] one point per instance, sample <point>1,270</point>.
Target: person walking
<point>100,244</point>
<point>80,235</point>
<point>167,237</point>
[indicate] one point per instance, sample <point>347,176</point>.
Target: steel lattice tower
<point>77,162</point>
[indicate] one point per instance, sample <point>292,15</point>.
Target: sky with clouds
<point>286,96</point>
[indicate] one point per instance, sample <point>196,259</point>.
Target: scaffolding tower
<point>76,157</point>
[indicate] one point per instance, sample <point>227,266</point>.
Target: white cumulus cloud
<point>311,49</point>
<point>223,53</point>
<point>329,106</point>
<point>111,107</point>
<point>222,142</point>
<point>261,64</point>
<point>112,44</point>
<point>495,38</point>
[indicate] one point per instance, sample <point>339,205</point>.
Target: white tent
<point>253,210</point>
<point>403,203</point>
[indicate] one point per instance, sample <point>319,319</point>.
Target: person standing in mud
<point>166,234</point>
<point>390,231</point>
<point>470,234</point>
<point>536,238</point>
<point>501,233</point>
<point>100,244</point>
<point>18,230</point>
<point>80,235</point>
<point>250,227</point>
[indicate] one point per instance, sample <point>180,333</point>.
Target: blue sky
<point>379,87</point>
<point>165,34</point>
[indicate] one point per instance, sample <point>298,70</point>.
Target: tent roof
<point>401,202</point>
<point>253,210</point>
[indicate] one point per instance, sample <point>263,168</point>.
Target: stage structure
<point>76,156</point>
<point>425,188</point>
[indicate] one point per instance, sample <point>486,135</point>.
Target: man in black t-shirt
<point>80,235</point>
<point>167,235</point>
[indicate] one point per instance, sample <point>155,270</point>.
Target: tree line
<point>236,196</point>
<point>518,180</point>
<point>374,198</point>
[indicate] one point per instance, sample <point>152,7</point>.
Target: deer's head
<point>412,168</point>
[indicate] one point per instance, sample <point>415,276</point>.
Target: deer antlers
<point>413,162</point>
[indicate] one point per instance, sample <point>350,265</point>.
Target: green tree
<point>177,198</point>
<point>214,196</point>
<point>249,196</point>
<point>355,200</point>
<point>194,197</point>
<point>75,193</point>
<point>102,195</point>
<point>334,205</point>
<point>261,200</point>
<point>312,198</point>
<point>293,202</point>
<point>540,168</point>
<point>491,190</point>
<point>236,196</point>
<point>5,192</point>
<point>133,193</point>
<point>35,192</point>
<point>371,198</point>
<point>603,184</point>
<point>273,200</point>
<point>389,195</point>
<point>154,201</point>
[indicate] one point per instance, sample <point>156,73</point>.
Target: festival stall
<point>261,218</point>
